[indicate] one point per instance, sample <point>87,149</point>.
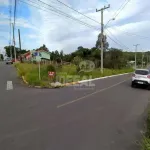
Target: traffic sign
<point>51,74</point>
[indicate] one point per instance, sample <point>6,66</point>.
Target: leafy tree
<point>77,60</point>
<point>43,48</point>
<point>115,59</point>
<point>10,49</point>
<point>1,57</point>
<point>98,42</point>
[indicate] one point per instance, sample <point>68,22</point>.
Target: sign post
<point>39,71</point>
<point>51,74</point>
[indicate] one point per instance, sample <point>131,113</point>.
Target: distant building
<point>26,56</point>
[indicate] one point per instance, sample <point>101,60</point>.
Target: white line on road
<point>81,98</point>
<point>9,85</point>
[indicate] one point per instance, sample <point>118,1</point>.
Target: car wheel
<point>132,85</point>
<point>148,87</point>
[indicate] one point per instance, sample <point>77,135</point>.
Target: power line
<point>60,12</point>
<point>122,8</point>
<point>119,11</point>
<point>117,39</point>
<point>134,34</point>
<point>66,15</point>
<point>78,12</point>
<point>116,42</point>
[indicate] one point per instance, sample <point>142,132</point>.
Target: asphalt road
<point>108,117</point>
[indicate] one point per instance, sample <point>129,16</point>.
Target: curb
<point>72,83</point>
<point>24,80</point>
<point>103,77</point>
<point>82,81</point>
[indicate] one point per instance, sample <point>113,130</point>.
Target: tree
<point>1,57</point>
<point>43,48</point>
<point>105,43</point>
<point>114,59</point>
<point>77,60</point>
<point>98,42</point>
<point>8,49</point>
<point>61,54</point>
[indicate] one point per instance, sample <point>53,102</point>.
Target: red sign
<point>51,74</point>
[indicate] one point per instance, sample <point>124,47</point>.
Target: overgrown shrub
<point>51,68</point>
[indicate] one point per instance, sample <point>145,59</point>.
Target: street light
<point>135,52</point>
<point>112,19</point>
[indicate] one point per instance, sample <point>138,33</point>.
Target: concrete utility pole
<point>14,27</point>
<point>19,44</point>
<point>10,46</point>
<point>102,36</point>
<point>147,58</point>
<point>19,39</point>
<point>14,41</point>
<point>135,52</point>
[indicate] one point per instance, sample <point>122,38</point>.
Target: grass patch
<point>146,137</point>
<point>65,73</point>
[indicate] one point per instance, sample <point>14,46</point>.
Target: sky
<point>57,32</point>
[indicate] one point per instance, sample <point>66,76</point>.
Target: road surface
<point>108,117</point>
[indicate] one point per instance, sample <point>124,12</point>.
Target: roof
<point>26,54</point>
<point>41,50</point>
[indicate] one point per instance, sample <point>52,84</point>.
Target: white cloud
<point>58,32</point>
<point>4,2</point>
<point>61,33</point>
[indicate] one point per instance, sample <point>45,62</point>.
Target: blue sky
<point>58,32</point>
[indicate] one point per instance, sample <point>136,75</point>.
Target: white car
<point>9,61</point>
<point>141,77</point>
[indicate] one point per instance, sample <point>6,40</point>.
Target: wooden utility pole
<point>136,52</point>
<point>102,36</point>
<point>14,41</point>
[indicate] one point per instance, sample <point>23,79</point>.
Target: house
<point>26,56</point>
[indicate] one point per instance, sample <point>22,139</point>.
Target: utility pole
<point>14,28</point>
<point>10,47</point>
<point>136,52</point>
<point>142,58</point>
<point>10,42</point>
<point>14,41</point>
<point>19,43</point>
<point>19,39</point>
<point>147,59</point>
<point>102,36</point>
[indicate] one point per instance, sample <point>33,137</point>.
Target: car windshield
<point>142,72</point>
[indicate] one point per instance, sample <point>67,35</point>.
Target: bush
<point>148,125</point>
<point>51,68</point>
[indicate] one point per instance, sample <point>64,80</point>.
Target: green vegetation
<point>1,57</point>
<point>146,137</point>
<point>65,73</point>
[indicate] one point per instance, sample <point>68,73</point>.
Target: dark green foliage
<point>1,57</point>
<point>8,49</point>
<point>51,68</point>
